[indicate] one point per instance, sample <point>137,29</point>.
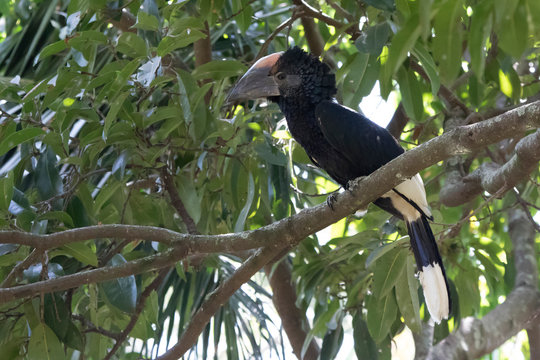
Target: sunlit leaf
<point>44,345</point>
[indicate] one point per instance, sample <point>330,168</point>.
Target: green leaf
<point>271,154</point>
<point>244,19</point>
<point>185,24</point>
<point>332,342</point>
<point>161,113</point>
<point>132,45</point>
<point>241,220</point>
<point>387,5</point>
<point>219,69</point>
<point>44,344</point>
<point>373,39</point>
<point>113,112</point>
<point>402,43</point>
<point>106,192</point>
<point>121,292</point>
<point>17,138</point>
<point>513,31</point>
<point>381,314</point>
<point>383,249</point>
<point>364,346</point>
<point>61,216</point>
<point>58,317</point>
<point>170,43</point>
<point>447,43</point>
<point>184,100</point>
<point>422,53</point>
<point>84,38</point>
<point>481,24</point>
<point>190,197</point>
<point>51,49</point>
<point>407,296</point>
<point>81,252</point>
<point>388,271</point>
<point>55,141</point>
<point>146,22</point>
<point>411,94</point>
<point>467,287</point>
<point>47,178</point>
<point>6,191</point>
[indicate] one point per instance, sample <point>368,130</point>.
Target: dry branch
<point>491,177</point>
<point>216,299</point>
<point>291,230</point>
<point>294,321</point>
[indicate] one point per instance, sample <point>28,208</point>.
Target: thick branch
<point>533,333</point>
<point>491,177</point>
<point>423,341</point>
<point>294,321</point>
<point>293,229</point>
<point>146,264</point>
<point>475,337</point>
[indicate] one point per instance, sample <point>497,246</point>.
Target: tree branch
<point>262,51</point>
<point>292,229</point>
<point>176,201</point>
<point>293,320</point>
<point>18,269</point>
<point>351,29</point>
<point>491,177</point>
<point>423,341</point>
<point>398,122</point>
<point>475,337</point>
<point>217,298</point>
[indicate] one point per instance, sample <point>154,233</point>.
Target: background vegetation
<point>112,112</point>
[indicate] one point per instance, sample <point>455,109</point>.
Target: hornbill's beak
<point>257,82</point>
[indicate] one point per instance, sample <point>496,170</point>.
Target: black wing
<point>364,143</point>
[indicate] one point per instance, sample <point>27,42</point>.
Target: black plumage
<point>347,145</point>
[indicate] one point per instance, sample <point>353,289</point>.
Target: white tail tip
<point>435,292</point>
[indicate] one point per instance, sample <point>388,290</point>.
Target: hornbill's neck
<point>301,120</point>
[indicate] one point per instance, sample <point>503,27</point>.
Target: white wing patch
<point>412,189</point>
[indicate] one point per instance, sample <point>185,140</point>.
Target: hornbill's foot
<point>331,200</point>
<point>352,183</point>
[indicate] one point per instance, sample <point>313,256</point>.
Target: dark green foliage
<point>92,110</point>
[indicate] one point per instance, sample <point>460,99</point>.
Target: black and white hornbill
<point>347,145</point>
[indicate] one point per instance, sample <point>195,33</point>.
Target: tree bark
<point>294,321</point>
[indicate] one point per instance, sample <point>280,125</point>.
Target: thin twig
<point>176,201</point>
<point>90,327</point>
<point>138,310</point>
<point>17,270</point>
<point>296,14</point>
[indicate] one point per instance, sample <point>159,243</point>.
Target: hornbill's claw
<point>331,199</point>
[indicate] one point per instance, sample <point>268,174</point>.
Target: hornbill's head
<point>293,74</point>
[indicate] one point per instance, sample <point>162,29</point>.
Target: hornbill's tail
<point>430,266</point>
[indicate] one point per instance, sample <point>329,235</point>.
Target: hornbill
<point>347,145</point>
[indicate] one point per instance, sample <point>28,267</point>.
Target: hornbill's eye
<point>281,76</point>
